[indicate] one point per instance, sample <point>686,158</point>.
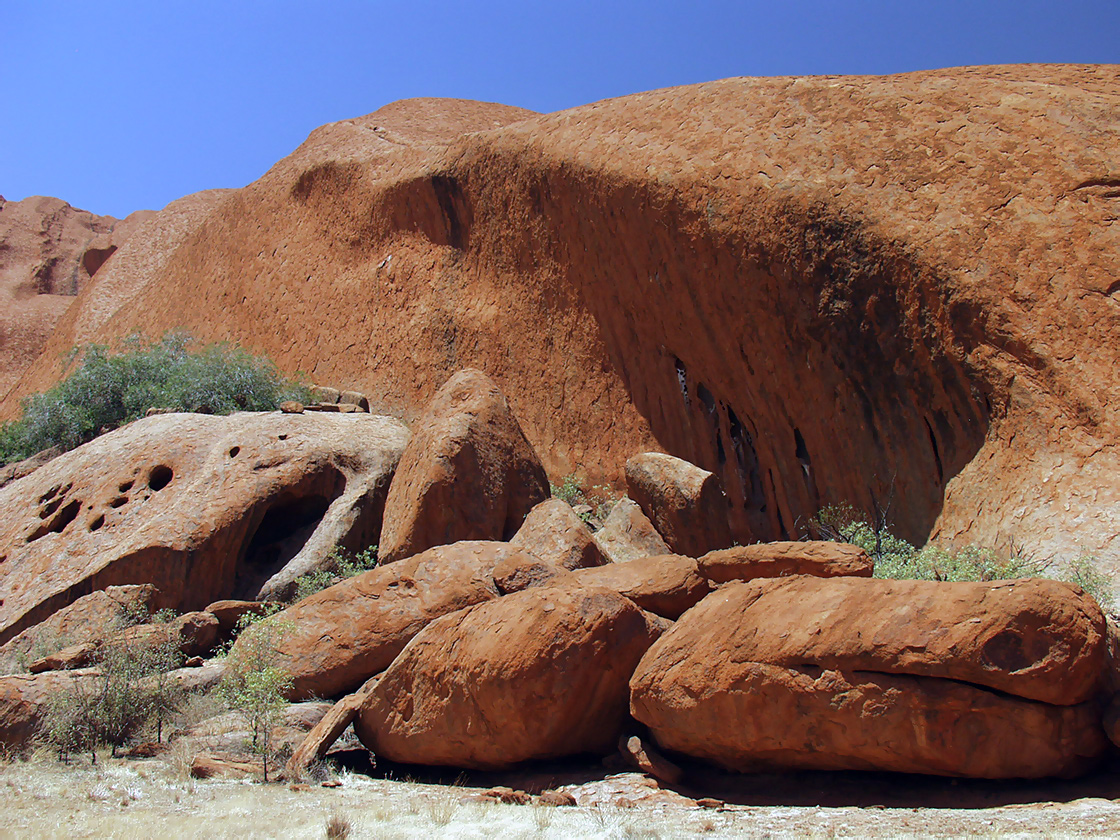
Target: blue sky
<point>121,106</point>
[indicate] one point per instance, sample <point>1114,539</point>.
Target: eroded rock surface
<point>628,534</point>
<point>685,503</point>
<point>202,507</point>
<point>468,473</point>
<point>781,559</point>
<point>553,532</point>
<point>666,585</point>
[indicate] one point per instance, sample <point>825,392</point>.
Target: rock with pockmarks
<point>202,507</point>
<point>338,638</point>
<point>539,674</point>
<point>628,534</point>
<point>780,559</point>
<point>806,718</point>
<point>553,532</point>
<point>468,472</point>
<point>666,585</point>
<point>1037,639</point>
<point>522,571</point>
<point>685,503</point>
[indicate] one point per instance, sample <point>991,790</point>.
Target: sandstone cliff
<point>815,287</point>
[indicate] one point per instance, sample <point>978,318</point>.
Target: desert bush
<point>897,559</point>
<point>107,390</point>
<point>254,684</point>
<point>574,489</point>
<point>129,690</point>
<point>341,564</point>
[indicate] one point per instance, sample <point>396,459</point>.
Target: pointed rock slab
<point>553,532</point>
<point>1038,639</point>
<point>628,534</point>
<point>781,559</point>
<point>340,637</point>
<point>539,674</point>
<point>685,503</point>
<point>666,585</point>
<point>808,719</point>
<point>91,617</point>
<point>202,507</point>
<point>467,474</point>
<point>323,735</point>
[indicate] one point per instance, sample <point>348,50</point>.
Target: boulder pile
<point>498,629</point>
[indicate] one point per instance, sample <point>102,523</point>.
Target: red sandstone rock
<point>553,532</point>
<point>326,731</point>
<point>780,559</point>
<point>666,585</point>
<point>521,571</point>
<point>229,612</point>
<point>645,758</point>
<point>804,718</point>
<point>340,637</point>
<point>685,503</point>
<point>538,674</point>
<point>628,534</point>
<point>201,507</point>
<point>1038,639</point>
<point>24,700</point>
<point>817,287</point>
<point>91,617</point>
<point>467,474</point>
<point>192,634</point>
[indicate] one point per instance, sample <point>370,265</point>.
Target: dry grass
<point>40,798</point>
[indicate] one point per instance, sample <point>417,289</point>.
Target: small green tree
<point>254,684</point>
<point>340,565</point>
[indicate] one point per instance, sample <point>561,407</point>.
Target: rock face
<point>90,617</point>
<point>781,559</point>
<point>201,507</point>
<point>468,473</point>
<point>685,503</point>
<point>24,700</point>
<point>539,674</point>
<point>806,718</point>
<point>815,285</point>
<point>666,585</point>
<point>48,253</point>
<point>629,535</point>
<point>973,679</point>
<point>340,637</point>
<point>553,532</point>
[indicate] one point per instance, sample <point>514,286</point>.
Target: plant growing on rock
<point>254,684</point>
<point>107,390</point>
<point>592,503</point>
<point>340,565</point>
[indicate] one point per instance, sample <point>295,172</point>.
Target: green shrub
<point>897,559</point>
<point>107,390</point>
<point>254,684</point>
<point>574,490</point>
<point>341,564</point>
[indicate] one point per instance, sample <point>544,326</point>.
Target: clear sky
<point>121,106</point>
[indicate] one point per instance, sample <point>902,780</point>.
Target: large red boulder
<point>468,472</point>
<point>539,674</point>
<point>334,640</point>
<point>628,534</point>
<point>685,503</point>
<point>1038,639</point>
<point>781,559</point>
<point>806,718</point>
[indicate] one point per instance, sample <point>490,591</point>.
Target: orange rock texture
<point>816,288</point>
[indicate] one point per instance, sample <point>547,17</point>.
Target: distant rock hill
<point>48,252</point>
<point>825,289</point>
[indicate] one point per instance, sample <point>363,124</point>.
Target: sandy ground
<point>153,799</point>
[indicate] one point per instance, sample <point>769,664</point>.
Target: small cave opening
<point>58,524</point>
<point>682,379</point>
<point>160,477</point>
<point>282,533</point>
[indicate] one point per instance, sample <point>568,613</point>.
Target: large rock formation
<point>539,674</point>
<point>48,253</point>
<point>817,288</point>
<point>202,507</point>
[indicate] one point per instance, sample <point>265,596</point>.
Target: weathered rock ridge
<point>817,288</point>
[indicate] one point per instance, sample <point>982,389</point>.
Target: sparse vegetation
<point>108,708</point>
<point>254,684</point>
<point>341,565</point>
<point>592,503</point>
<point>897,559</point>
<point>107,390</point>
